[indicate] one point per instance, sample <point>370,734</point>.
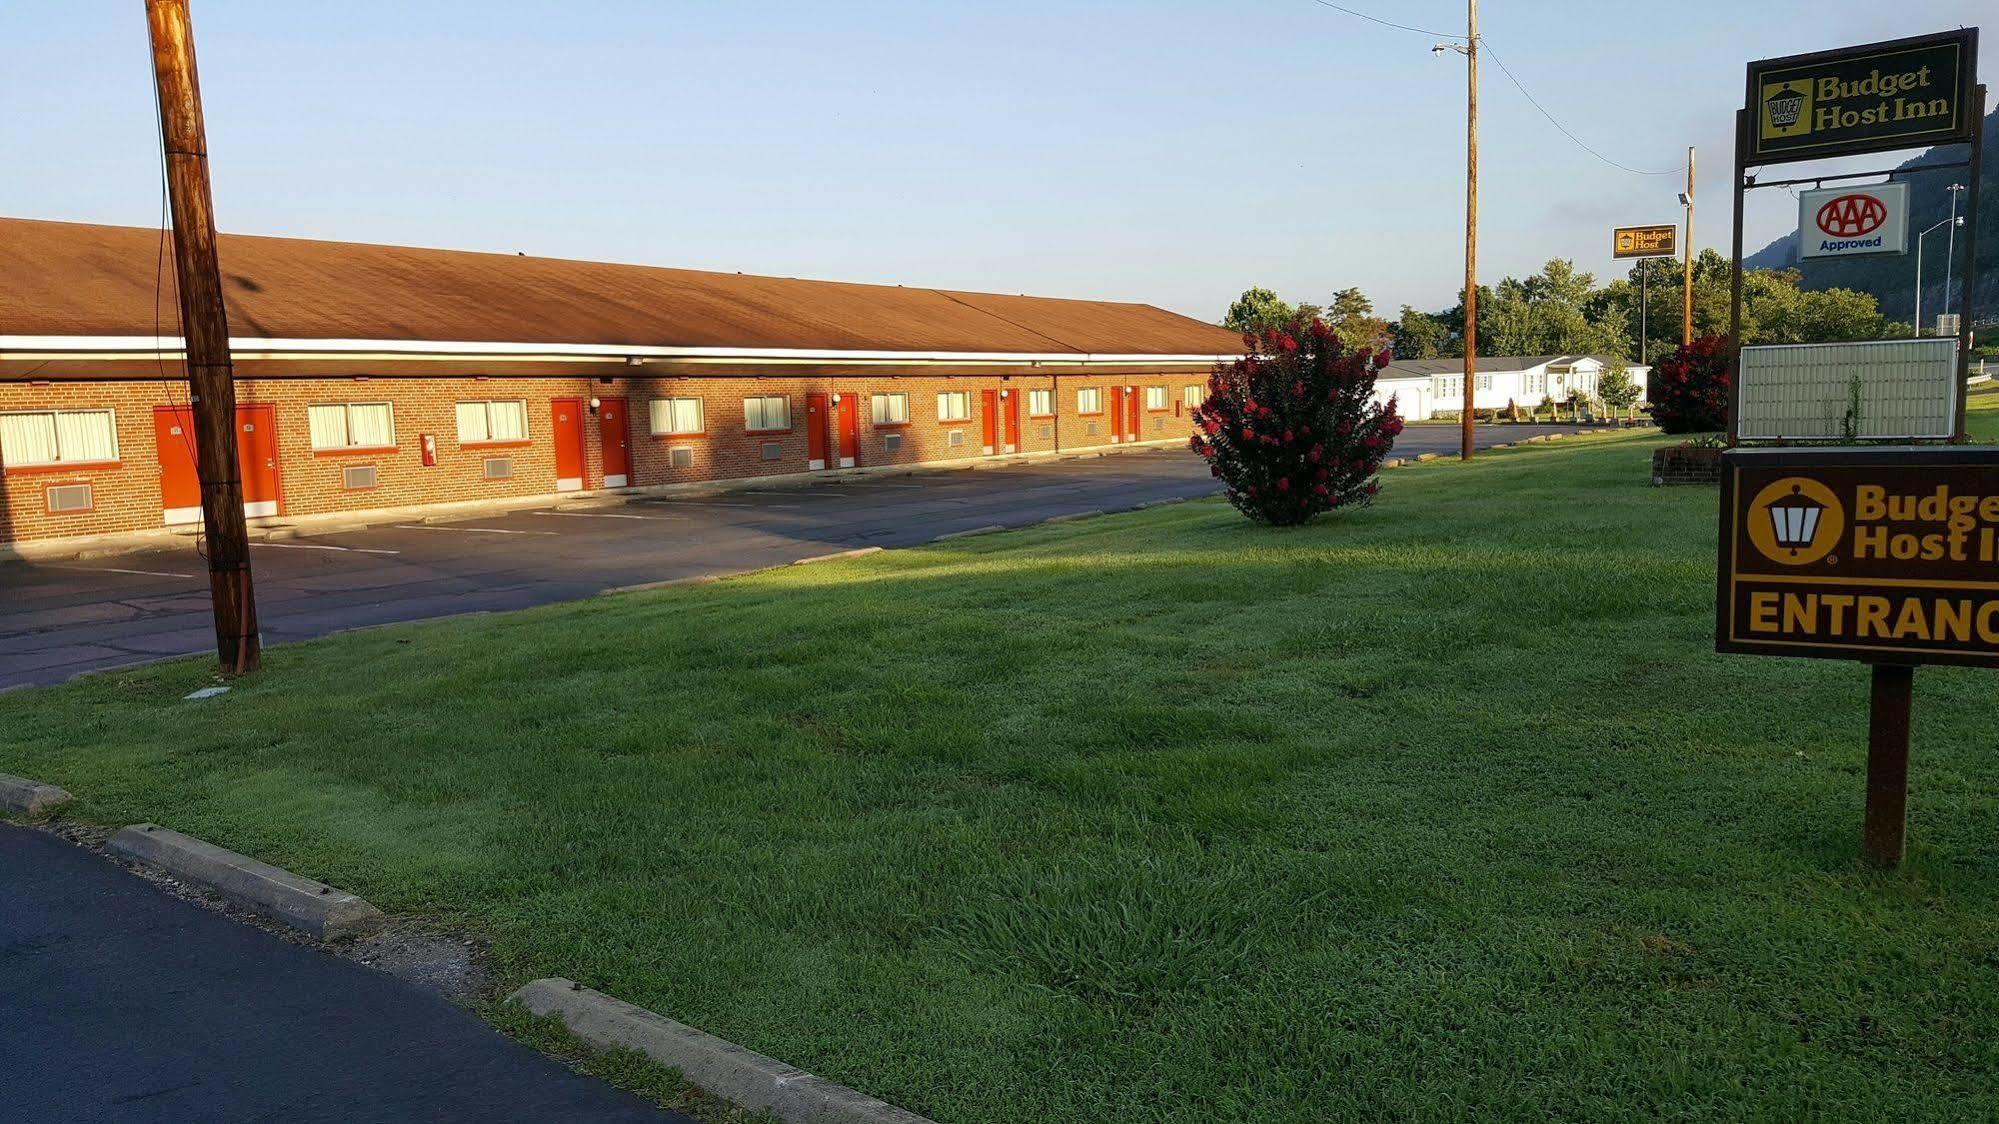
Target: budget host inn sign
<point>1899,94</point>
<point>1885,555</point>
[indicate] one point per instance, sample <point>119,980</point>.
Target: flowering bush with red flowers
<point>1689,388</point>
<point>1293,430</point>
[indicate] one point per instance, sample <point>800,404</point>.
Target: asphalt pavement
<point>119,1001</point>
<point>61,619</point>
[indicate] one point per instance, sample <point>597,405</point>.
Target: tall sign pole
<point>1471,226</point>
<point>205,327</point>
<point>1687,262</point>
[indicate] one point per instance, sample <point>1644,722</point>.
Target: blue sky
<point>1171,151</point>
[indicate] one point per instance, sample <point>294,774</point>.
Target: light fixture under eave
<point>634,361</point>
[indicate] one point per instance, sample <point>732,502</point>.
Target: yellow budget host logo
<point>1795,521</point>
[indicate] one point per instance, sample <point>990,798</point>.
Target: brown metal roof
<point>73,279</point>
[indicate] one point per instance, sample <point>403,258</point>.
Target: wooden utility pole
<point>205,327</point>
<point>1471,225</point>
<point>1687,268</point>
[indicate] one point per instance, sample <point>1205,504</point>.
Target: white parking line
<point>601,515</point>
<point>116,570</point>
<point>327,546</point>
<point>474,530</point>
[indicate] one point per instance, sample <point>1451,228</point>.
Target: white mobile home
<point>1424,387</point>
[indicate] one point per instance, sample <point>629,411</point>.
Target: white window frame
<point>954,406</point>
<point>55,422</point>
<point>347,420</point>
<point>1089,399</point>
<point>527,428</point>
<point>673,410</point>
<point>1155,398</point>
<point>1193,394</point>
<point>762,411</point>
<point>1481,380</point>
<point>1041,403</point>
<point>882,408</point>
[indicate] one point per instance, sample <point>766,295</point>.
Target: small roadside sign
<point>1655,241</point>
<point>1844,222</point>
<point>1888,555</point>
<point>1904,93</point>
<point>1878,554</point>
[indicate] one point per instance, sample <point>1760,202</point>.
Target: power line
<point>1487,44</point>
<point>1386,23</point>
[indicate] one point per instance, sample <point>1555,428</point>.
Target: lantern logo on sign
<point>1852,216</point>
<point>1796,521</point>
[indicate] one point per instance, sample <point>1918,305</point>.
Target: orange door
<point>850,430</point>
<point>256,461</point>
<point>1010,419</point>
<point>566,417</point>
<point>1117,414</point>
<point>815,431</point>
<point>989,421</point>
<point>614,432</point>
<point>1131,395</point>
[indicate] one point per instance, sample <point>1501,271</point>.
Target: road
<point>119,1001</point>
<point>61,619</point>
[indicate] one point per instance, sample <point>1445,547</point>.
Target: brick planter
<point>1685,464</point>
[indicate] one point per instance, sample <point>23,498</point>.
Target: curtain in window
<point>87,435</point>
<point>472,422</point>
<point>687,415</point>
<point>27,439</point>
<point>370,424</point>
<point>329,426</point>
<point>508,420</point>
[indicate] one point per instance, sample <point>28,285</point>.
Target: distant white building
<point>1423,387</point>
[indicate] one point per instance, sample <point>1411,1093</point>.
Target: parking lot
<point>60,619</point>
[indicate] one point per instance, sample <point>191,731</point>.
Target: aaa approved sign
<point>1887,554</point>
<point>1844,222</point>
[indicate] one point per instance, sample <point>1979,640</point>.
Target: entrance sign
<point>1905,93</point>
<point>1844,222</point>
<point>1882,390</point>
<point>1878,554</point>
<point>1657,241</point>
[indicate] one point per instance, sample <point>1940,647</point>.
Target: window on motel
<point>485,422</point>
<point>58,437</point>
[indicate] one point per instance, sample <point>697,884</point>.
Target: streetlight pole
<point>1950,222</point>
<point>1687,264</point>
<point>1950,254</point>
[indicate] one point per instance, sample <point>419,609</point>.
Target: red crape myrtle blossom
<point>1294,430</point>
<point>1689,388</point>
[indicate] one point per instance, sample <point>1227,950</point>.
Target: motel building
<point>1423,387</point>
<point>376,378</point>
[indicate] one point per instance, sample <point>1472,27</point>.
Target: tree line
<point>1561,310</point>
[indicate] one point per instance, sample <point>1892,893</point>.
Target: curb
<point>986,530</point>
<point>669,583</point>
<point>19,794</point>
<point>1074,516</point>
<point>723,1068</point>
<point>857,552</point>
<point>312,907</point>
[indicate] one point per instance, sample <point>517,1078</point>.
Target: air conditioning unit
<point>499,468</point>
<point>70,497</point>
<point>357,477</point>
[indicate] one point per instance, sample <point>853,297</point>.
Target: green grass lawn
<point>1440,809</point>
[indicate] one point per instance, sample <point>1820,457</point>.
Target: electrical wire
<point>1503,69</point>
<point>1386,23</point>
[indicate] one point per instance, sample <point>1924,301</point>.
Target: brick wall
<point>1685,464</point>
<point>127,494</point>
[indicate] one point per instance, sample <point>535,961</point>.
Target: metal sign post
<point>1644,243</point>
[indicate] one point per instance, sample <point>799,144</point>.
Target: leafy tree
<point>1351,317</point>
<point>1616,387</point>
<point>1418,335</point>
<point>1293,430</point>
<point>1690,387</point>
<point>1258,310</point>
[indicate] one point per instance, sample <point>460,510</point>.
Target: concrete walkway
<point>121,1002</point>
